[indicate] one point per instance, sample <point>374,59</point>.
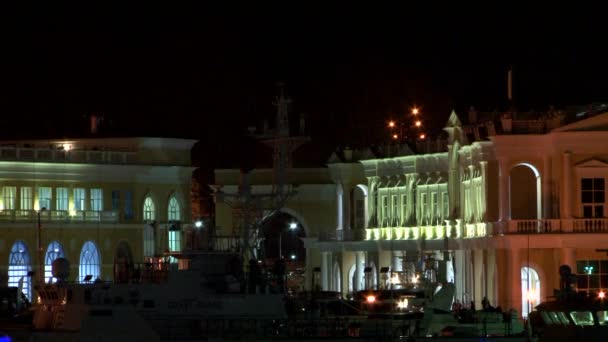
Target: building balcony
<point>77,216</point>
<point>556,226</point>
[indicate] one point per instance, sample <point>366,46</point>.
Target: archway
<point>525,192</point>
<point>19,265</point>
<point>54,251</point>
<point>123,262</point>
<point>359,207</point>
<point>530,290</point>
<point>282,239</point>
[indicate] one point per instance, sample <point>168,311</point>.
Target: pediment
<point>593,162</point>
<point>595,123</point>
<point>334,159</point>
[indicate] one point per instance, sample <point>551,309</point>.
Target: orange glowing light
<point>422,136</point>
<point>415,111</point>
<point>395,136</point>
<point>601,295</point>
<point>371,299</point>
<point>418,123</point>
<point>391,124</point>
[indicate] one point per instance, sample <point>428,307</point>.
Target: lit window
<point>8,195</point>
<point>26,198</point>
<point>19,264</point>
<point>61,201</point>
<point>404,209</point>
<point>423,210</point>
<point>44,198</point>
<point>97,199</point>
<point>53,252</point>
<point>174,210</point>
<point>385,212</point>
<point>89,262</point>
<point>174,239</point>
<point>530,290</point>
<point>149,211</point>
<point>79,199</point>
<point>395,205</point>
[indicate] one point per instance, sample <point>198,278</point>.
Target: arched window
<point>53,252</point>
<point>174,214</point>
<point>89,262</point>
<point>530,290</point>
<point>19,264</point>
<point>149,210</point>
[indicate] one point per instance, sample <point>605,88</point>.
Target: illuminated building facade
<point>104,204</point>
<point>503,202</point>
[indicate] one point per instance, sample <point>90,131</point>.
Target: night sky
<point>208,74</point>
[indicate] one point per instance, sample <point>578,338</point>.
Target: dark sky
<point>207,74</point>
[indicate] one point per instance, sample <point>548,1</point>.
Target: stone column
<point>503,189</point>
<point>515,276</point>
<point>491,276</point>
<point>346,187</point>
<point>459,274</point>
<point>325,272</point>
<point>546,183</point>
<point>359,260</point>
<point>567,257</point>
<point>479,289</point>
<point>567,193</point>
<point>339,205</point>
<point>308,244</point>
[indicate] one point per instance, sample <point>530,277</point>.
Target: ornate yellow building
<point>101,203</point>
<point>501,203</point>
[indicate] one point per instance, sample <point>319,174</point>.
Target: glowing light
<point>418,123</point>
<point>422,136</point>
<point>395,136</point>
<point>67,147</point>
<point>415,111</point>
<point>72,213</point>
<point>371,299</point>
<point>588,269</point>
<point>395,279</point>
<point>293,257</point>
<point>38,299</point>
<point>391,124</point>
<point>198,224</point>
<point>532,296</point>
<point>402,304</point>
<point>293,225</point>
<point>415,279</point>
<point>601,295</point>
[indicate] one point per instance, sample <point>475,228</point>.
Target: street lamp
<point>40,275</point>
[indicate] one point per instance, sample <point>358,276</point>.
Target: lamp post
<point>40,269</point>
